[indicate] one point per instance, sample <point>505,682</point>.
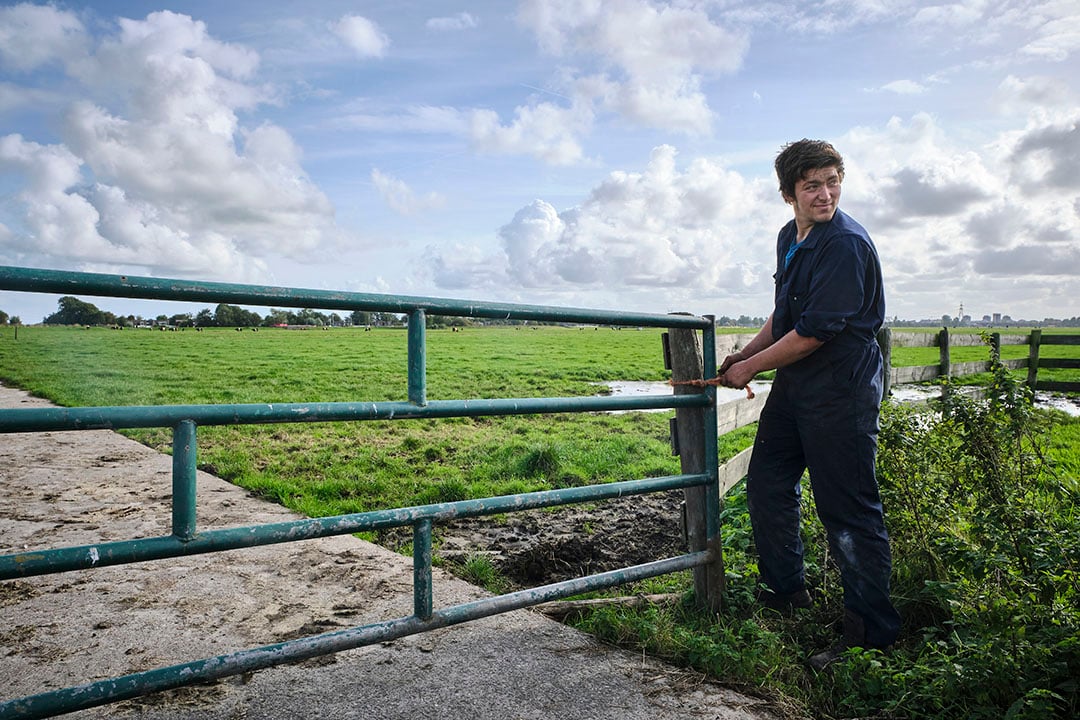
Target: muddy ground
<point>536,547</point>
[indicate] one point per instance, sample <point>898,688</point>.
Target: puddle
<point>922,393</point>
<point>634,388</point>
<point>901,393</point>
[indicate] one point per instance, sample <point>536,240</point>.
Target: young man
<point>822,412</point>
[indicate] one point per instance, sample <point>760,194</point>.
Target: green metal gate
<point>184,420</point>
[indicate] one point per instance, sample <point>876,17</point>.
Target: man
<point>822,412</point>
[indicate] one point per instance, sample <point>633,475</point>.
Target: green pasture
<point>332,468</point>
<point>982,499</point>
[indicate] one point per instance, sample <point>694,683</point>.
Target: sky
<point>610,155</point>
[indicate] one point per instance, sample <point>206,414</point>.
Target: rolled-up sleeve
<point>837,291</point>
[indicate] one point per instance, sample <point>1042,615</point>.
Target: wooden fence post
<point>1033,359</point>
<point>944,362</point>
<point>686,364</point>
<point>884,340</point>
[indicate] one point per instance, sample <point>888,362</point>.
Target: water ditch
<point>900,393</point>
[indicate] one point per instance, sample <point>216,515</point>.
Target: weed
<point>479,569</point>
<point>541,462</point>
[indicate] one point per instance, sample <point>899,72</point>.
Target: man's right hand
<point>729,361</point>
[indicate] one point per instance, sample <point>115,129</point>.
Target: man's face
<point>816,196</point>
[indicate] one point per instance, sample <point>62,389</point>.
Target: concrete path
<point>74,488</point>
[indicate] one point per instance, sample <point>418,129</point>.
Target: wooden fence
<point>945,341</point>
<point>738,413</point>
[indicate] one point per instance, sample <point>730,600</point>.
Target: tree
<point>386,318</point>
<point>307,316</point>
<point>73,311</point>
<point>233,316</point>
<point>3,318</point>
<point>276,317</point>
<point>204,318</point>
<point>360,317</point>
<point>181,320</point>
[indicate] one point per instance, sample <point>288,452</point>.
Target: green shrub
<point>983,508</point>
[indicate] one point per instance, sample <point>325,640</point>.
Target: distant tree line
<point>1004,322</point>
<point>73,311</point>
<point>741,321</point>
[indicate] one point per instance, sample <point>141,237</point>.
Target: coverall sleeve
<point>837,287</point>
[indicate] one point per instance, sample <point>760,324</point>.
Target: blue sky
<point>609,154</point>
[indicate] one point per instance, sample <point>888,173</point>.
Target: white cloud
<point>417,119</point>
<point>167,177</point>
<point>97,224</point>
<point>14,97</point>
<point>698,230</point>
<point>363,36</point>
<point>33,35</point>
<point>1020,95</point>
<point>904,87</point>
<point>461,21</point>
<point>466,267</point>
<point>654,79</point>
<point>950,15</point>
<point>544,130</point>
<point>1058,33</point>
<point>1047,157</point>
<point>952,217</point>
<point>401,198</point>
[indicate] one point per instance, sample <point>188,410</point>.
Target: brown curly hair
<point>800,157</point>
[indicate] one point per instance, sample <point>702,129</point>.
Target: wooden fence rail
<point>945,341</point>
<point>737,413</point>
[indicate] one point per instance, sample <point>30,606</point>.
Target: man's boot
<point>854,636</point>
<point>784,603</point>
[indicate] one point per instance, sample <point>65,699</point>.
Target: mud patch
<point>536,547</point>
<point>13,592</point>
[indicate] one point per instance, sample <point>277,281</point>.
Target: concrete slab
<point>74,488</point>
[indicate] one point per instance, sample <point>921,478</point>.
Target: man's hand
<point>736,375</point>
<point>729,361</point>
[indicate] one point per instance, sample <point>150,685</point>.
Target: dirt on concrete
<point>78,488</point>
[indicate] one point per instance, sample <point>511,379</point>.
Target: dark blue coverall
<point>822,415</point>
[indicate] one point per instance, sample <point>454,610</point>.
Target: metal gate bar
<point>121,552</point>
<point>184,420</point>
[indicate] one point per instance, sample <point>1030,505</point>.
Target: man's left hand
<point>737,375</point>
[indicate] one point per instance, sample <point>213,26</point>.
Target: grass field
<point>914,356</point>
<point>989,634</point>
<point>331,468</point>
